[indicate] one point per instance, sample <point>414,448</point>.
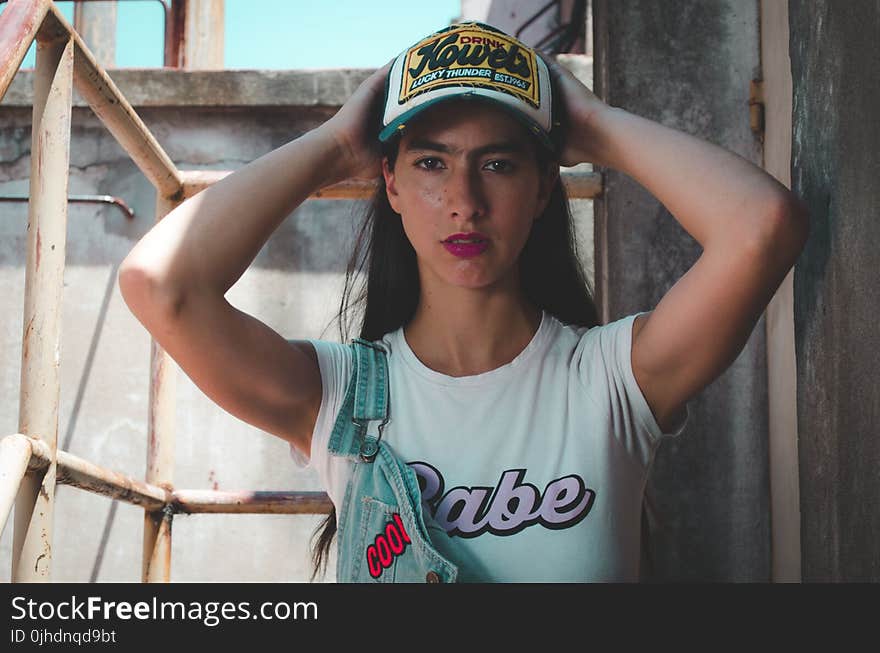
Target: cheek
<point>420,229</point>
<point>521,211</point>
<point>412,196</point>
<point>422,195</point>
<point>420,213</point>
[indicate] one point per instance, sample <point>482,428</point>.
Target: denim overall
<point>383,536</point>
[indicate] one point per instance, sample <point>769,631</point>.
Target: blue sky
<point>280,34</point>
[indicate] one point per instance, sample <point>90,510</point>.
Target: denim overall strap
<point>383,535</point>
<point>366,401</point>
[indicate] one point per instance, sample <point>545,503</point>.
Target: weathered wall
<point>105,351</point>
<point>688,65</point>
<point>204,120</point>
<point>836,169</point>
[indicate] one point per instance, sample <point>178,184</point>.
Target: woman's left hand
<point>582,111</point>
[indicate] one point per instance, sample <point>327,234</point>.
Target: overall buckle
<point>369,446</point>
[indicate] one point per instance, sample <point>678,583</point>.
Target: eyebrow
<point>502,146</point>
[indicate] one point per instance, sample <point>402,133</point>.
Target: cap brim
<point>397,126</point>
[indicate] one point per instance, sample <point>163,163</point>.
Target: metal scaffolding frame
<point>31,465</point>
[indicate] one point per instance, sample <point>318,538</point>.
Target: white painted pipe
<point>15,454</point>
<point>44,274</point>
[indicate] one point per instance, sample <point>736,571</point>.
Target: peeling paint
<point>834,143</point>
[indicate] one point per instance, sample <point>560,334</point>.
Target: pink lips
<point>478,244</point>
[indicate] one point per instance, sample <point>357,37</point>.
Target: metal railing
<point>31,465</point>
<point>79,199</point>
<point>172,27</point>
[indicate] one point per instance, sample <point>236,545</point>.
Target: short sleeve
<point>604,359</point>
<point>334,361</point>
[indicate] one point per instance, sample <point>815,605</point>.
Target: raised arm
<point>750,226</point>
<point>175,278</point>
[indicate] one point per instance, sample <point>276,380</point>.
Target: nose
<point>464,194</point>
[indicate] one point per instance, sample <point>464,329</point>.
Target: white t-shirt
<point>536,469</point>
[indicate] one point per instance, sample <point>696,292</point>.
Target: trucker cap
<point>469,61</point>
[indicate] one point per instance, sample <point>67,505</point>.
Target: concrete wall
<point>105,351</point>
<point>687,65</point>
<point>204,120</point>
<point>835,168</point>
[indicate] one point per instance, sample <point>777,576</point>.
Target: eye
<point>429,163</point>
<point>499,165</point>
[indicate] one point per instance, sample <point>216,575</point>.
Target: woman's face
<point>467,169</point>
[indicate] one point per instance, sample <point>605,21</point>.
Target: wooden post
<point>44,272</point>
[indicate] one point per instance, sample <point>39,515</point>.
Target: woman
<point>529,429</point>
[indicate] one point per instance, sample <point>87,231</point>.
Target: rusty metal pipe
<point>248,502</point>
<point>156,563</point>
<point>44,271</point>
<point>41,19</point>
<point>82,474</point>
<point>20,454</point>
<point>82,199</point>
<point>19,24</point>
<point>157,547</point>
<point>111,107</point>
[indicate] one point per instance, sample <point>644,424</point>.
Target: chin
<point>472,274</point>
<point>478,279</point>
<point>471,285</point>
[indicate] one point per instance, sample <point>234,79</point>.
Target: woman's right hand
<point>350,128</point>
<point>583,110</point>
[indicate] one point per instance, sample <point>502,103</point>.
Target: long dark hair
<point>382,283</point>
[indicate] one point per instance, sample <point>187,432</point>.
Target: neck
<point>466,331</point>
